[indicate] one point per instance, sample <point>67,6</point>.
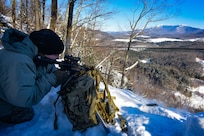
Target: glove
<point>60,76</point>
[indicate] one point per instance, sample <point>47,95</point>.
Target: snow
<point>157,40</point>
<point>143,36</point>
<point>142,120</point>
<point>6,20</point>
<point>123,40</point>
<point>145,61</point>
<point>164,39</point>
<point>196,39</point>
<point>201,62</point>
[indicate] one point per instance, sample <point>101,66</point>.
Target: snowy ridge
<point>142,120</point>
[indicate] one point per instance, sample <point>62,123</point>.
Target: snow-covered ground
<point>201,62</point>
<point>123,40</point>
<point>158,40</point>
<point>142,120</point>
<point>6,21</point>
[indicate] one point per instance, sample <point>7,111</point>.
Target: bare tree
<point>90,23</point>
<point>22,16</point>
<point>146,12</point>
<point>43,12</point>
<point>37,15</point>
<point>13,13</point>
<point>69,26</point>
<point>86,22</point>
<point>30,9</point>
<point>26,14</point>
<point>53,15</point>
<point>3,8</point>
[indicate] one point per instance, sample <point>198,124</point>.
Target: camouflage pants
<point>18,115</point>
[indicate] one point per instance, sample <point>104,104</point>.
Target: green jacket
<point>21,83</point>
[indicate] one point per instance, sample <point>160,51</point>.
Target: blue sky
<point>191,13</point>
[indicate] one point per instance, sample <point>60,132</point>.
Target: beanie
<point>47,41</point>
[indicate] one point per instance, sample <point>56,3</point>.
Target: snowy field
<point>158,40</point>
<point>142,120</point>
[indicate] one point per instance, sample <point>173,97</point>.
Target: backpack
<point>85,104</point>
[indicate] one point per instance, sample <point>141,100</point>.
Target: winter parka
<point>21,83</point>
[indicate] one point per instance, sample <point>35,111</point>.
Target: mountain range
<point>169,31</point>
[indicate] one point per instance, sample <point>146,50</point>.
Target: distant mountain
<point>174,31</point>
<point>168,31</point>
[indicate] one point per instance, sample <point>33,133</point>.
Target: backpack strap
<point>105,105</point>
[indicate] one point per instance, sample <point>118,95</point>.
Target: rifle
<point>69,63</point>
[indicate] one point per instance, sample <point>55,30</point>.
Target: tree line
<point>73,20</point>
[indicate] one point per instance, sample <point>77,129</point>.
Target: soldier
<point>22,82</point>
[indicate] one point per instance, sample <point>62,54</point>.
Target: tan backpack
<point>85,104</point>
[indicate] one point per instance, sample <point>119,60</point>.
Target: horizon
<point>159,26</point>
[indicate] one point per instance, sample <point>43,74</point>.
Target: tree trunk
<point>69,27</point>
<point>53,15</point>
<point>43,13</point>
<point>37,15</point>
<point>124,65</point>
<point>14,13</point>
<point>26,14</point>
<point>21,17</point>
<point>3,7</point>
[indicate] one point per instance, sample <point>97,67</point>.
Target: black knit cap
<point>47,41</point>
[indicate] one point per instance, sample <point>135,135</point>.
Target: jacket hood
<point>16,41</point>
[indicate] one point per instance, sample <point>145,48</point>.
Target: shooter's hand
<point>60,77</point>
